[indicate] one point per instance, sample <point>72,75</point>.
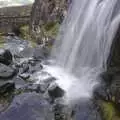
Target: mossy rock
<point>109,112</point>
<point>1,41</point>
<point>51,29</point>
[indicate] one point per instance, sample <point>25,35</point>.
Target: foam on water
<point>83,45</point>
<point>74,87</point>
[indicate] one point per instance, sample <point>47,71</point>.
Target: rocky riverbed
<point>27,92</point>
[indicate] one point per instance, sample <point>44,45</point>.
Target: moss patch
<point>25,34</point>
<point>51,29</point>
<point>1,41</point>
<point>109,111</point>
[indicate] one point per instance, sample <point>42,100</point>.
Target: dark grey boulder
<point>6,72</point>
<point>5,56</point>
<point>28,106</point>
<point>6,87</point>
<point>55,91</point>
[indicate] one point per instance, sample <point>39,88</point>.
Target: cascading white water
<point>83,45</point>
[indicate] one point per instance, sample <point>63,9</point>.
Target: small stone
<point>25,76</point>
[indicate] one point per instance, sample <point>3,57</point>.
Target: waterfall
<point>83,45</point>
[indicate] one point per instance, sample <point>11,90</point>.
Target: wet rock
<point>19,82</point>
<point>40,52</point>
<point>45,83</point>
<point>7,87</point>
<point>16,45</point>
<point>6,72</point>
<point>27,52</point>
<point>25,76</point>
<point>86,110</point>
<point>62,111</point>
<point>55,91</point>
<point>5,56</point>
<point>28,106</point>
<point>35,68</point>
<point>101,92</point>
<point>24,68</point>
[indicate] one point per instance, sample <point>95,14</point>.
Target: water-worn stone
<point>28,106</point>
<point>6,72</point>
<point>5,56</point>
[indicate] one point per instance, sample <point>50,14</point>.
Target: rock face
<point>46,12</point>
<point>112,75</point>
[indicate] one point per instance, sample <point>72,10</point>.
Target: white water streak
<point>83,45</point>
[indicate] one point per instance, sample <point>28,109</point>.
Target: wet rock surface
<point>28,106</point>
<point>87,110</point>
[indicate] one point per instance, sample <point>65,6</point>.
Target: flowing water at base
<point>83,45</point>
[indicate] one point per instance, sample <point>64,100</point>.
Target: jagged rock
<point>5,56</point>
<point>24,68</point>
<point>25,76</point>
<point>6,72</point>
<point>28,106</point>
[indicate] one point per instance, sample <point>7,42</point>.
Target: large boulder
<point>6,72</point>
<point>5,56</point>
